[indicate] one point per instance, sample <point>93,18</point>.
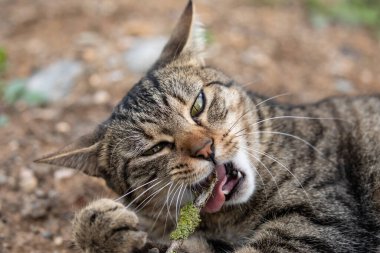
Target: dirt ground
<point>270,49</point>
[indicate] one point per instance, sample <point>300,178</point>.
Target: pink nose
<point>205,151</point>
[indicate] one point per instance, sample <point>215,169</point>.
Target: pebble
<point>344,85</point>
<point>58,240</point>
<point>101,97</point>
<point>143,53</point>
<point>63,174</point>
<point>63,127</point>
<point>47,234</point>
<point>114,76</point>
<point>56,80</point>
<point>3,179</point>
<point>14,145</point>
<point>36,208</point>
<point>28,181</point>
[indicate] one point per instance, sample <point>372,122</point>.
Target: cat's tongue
<point>217,199</point>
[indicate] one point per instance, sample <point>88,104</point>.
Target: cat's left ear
<point>186,41</point>
<point>83,154</point>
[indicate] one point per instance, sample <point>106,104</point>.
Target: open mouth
<point>228,180</point>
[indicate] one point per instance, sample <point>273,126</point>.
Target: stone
<point>28,181</point>
<point>344,85</point>
<point>56,80</point>
<point>63,127</point>
<point>101,97</point>
<point>58,240</point>
<point>36,208</point>
<point>63,174</point>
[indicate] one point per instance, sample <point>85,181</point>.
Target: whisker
<point>143,193</point>
<point>162,208</point>
<point>292,136</point>
<point>271,98</point>
<point>287,117</point>
<point>270,173</point>
<point>176,204</point>
<point>173,197</point>
<point>167,209</point>
<point>148,199</point>
<point>287,169</point>
<point>254,110</point>
<point>123,196</point>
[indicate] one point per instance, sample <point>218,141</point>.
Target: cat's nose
<point>205,150</point>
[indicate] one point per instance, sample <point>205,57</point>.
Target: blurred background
<point>64,64</point>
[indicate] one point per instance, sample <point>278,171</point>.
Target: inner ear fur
<point>83,154</point>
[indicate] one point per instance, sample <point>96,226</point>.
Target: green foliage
<point>353,12</point>
<point>189,220</point>
<point>209,37</point>
<point>16,91</point>
<point>3,61</point>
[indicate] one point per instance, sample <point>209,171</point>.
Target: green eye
<point>155,149</point>
<point>198,106</point>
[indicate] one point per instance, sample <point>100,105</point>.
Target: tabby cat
<point>291,178</point>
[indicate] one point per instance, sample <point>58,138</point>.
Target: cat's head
<point>179,124</point>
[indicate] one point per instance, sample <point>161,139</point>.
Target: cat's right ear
<point>186,41</point>
<point>83,154</point>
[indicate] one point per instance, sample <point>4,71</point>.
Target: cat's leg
<point>107,226</point>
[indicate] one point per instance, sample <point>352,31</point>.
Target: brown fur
<point>311,172</point>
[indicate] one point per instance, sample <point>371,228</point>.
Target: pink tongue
<point>217,199</point>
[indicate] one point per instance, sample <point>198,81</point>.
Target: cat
<point>291,178</point>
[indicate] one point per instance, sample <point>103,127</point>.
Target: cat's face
<point>180,124</point>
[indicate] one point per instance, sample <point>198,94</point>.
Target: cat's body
<point>290,178</point>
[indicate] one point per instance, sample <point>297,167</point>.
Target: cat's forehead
<point>152,94</point>
<point>156,104</point>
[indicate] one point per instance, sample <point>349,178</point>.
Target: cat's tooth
<point>239,174</point>
<point>225,192</point>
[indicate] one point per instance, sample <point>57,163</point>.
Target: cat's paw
<point>107,226</point>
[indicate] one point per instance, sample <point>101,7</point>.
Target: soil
<point>270,49</point>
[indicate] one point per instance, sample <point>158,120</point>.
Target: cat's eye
<point>155,149</point>
<point>198,106</point>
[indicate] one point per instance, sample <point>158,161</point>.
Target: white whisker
<point>143,193</point>
<point>254,110</point>
<point>286,117</point>
<point>270,173</point>
<point>176,204</point>
<point>271,98</point>
<point>123,196</point>
<point>287,169</point>
<point>148,199</point>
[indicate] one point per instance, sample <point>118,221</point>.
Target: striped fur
<point>312,172</point>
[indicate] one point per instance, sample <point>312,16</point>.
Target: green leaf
<point>3,60</point>
<point>14,91</point>
<point>33,98</point>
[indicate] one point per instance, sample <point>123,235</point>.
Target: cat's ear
<point>83,154</point>
<point>187,40</point>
